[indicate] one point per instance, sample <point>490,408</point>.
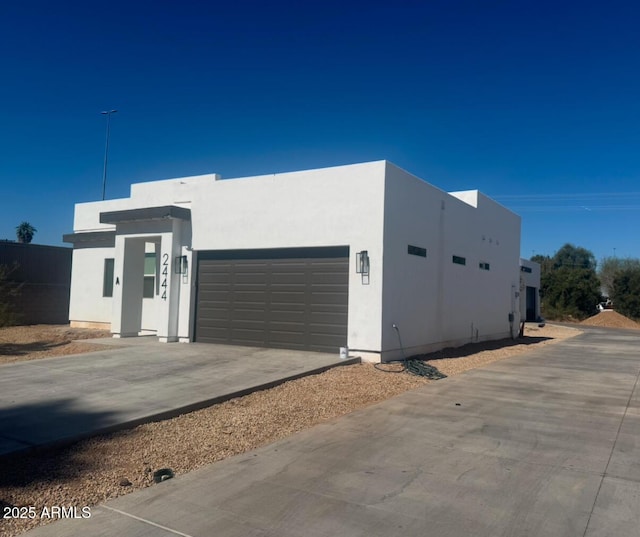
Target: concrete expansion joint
<point>145,521</point>
<point>613,447</point>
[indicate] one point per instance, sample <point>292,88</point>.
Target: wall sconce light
<point>180,264</point>
<point>362,263</point>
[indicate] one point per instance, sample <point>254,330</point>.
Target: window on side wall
<point>149,286</point>
<point>107,278</point>
<point>459,260</point>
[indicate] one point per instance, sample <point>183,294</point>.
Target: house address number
<point>165,272</point>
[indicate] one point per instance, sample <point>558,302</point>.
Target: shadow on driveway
<point>23,427</point>
<point>20,349</point>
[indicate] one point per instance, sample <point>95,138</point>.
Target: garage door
<point>285,298</point>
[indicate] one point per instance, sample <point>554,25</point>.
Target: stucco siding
<point>373,206</point>
<point>330,207</point>
<point>87,273</point>
<point>433,301</point>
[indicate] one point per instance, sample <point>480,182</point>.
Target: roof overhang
<point>98,238</point>
<point>147,213</point>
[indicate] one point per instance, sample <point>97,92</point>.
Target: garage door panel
<point>254,278</point>
<point>217,313</point>
<point>325,329</point>
<point>329,288</point>
<point>327,298</point>
<point>288,278</point>
<point>255,297</point>
<point>339,318</point>
<point>286,326</point>
<point>294,303</point>
<point>250,315</point>
<point>248,327</point>
<point>215,278</point>
<point>216,296</point>
<point>219,334</point>
<point>287,297</point>
<point>286,316</point>
<point>222,267</point>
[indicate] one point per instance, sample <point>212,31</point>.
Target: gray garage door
<point>286,298</point>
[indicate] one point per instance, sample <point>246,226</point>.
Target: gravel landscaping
<point>20,343</point>
<point>108,466</point>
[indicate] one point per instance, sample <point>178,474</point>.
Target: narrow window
<point>149,287</point>
<point>526,269</point>
<point>107,279</point>
<point>459,260</point>
<point>484,266</point>
<point>416,250</point>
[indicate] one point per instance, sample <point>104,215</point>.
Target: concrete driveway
<point>545,444</point>
<point>58,400</point>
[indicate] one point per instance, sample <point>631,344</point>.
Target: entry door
<point>285,298</point>
<point>531,303</point>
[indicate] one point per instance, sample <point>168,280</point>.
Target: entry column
<point>169,289</point>
<point>126,314</point>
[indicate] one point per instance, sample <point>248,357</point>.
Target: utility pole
<point>106,151</point>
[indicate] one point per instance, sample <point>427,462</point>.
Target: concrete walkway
<point>545,444</point>
<point>58,400</point>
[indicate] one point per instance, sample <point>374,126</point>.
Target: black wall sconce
<point>362,265</point>
<point>362,262</point>
<point>180,265</point>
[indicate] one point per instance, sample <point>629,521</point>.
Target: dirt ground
<point>611,319</point>
<point>108,466</point>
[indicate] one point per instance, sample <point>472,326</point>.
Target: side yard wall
<point>45,275</point>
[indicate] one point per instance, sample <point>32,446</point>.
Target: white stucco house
<point>365,256</point>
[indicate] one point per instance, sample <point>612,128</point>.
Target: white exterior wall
<point>86,303</point>
<point>329,207</point>
<point>434,302</point>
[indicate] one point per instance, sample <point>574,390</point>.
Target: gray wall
<point>45,275</point>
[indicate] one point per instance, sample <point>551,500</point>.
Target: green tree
<point>574,257</point>
<point>545,262</point>
<point>568,284</point>
<point>25,232</point>
<point>626,292</point>
<point>610,267</point>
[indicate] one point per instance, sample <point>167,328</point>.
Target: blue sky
<point>535,103</point>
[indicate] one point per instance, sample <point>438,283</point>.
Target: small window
<point>459,260</point>
<point>416,250</point>
<point>149,285</point>
<point>526,269</point>
<point>484,266</point>
<point>107,278</point>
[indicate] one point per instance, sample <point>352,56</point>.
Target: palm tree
<point>25,232</point>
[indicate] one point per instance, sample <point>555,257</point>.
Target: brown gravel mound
<point>95,470</point>
<point>20,343</point>
<point>611,319</point>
